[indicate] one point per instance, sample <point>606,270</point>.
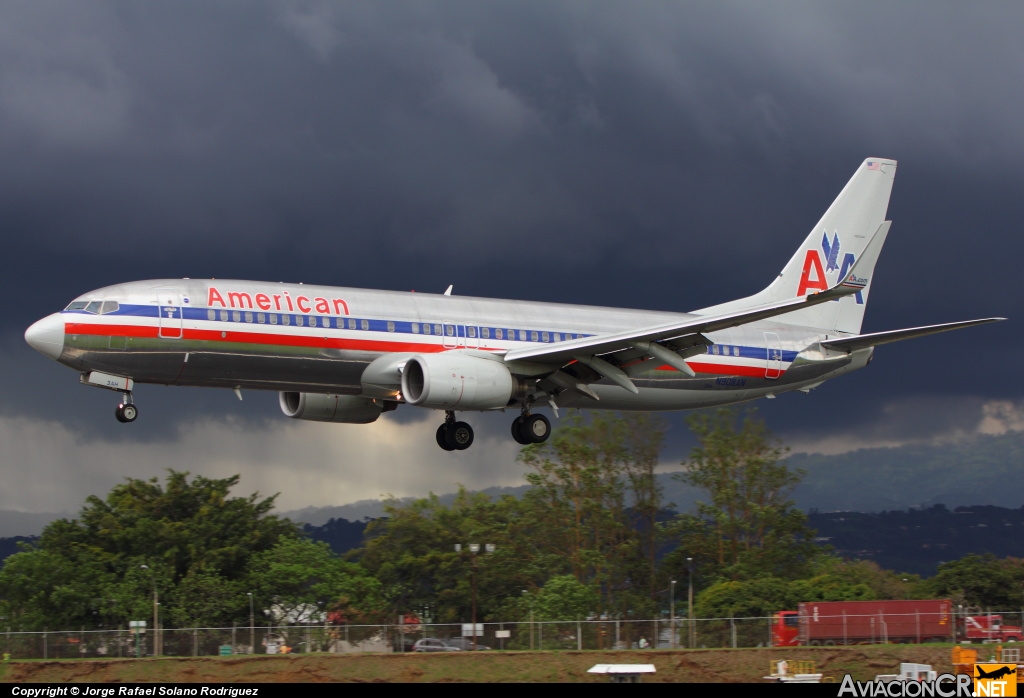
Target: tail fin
<point>834,244</point>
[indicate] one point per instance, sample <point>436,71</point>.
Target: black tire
<point>460,436</point>
<point>536,428</point>
<point>126,413</point>
<point>517,431</point>
<point>442,438</point>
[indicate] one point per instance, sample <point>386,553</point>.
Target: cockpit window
<point>77,305</point>
<point>93,307</point>
<point>109,307</point>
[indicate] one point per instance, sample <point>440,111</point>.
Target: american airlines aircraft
<point>347,355</point>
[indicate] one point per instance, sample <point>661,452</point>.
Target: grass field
<point>719,666</point>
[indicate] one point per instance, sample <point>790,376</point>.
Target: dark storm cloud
<point>659,155</point>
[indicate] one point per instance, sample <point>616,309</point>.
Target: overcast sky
<point>663,155</point>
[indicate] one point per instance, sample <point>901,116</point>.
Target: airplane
<point>348,355</point>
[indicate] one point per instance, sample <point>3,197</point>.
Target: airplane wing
<point>563,352</point>
<point>863,341</point>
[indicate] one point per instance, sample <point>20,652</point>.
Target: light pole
<point>530,599</point>
<point>156,612</point>
<point>672,614</point>
<point>689,602</point>
<point>474,548</point>
<point>252,626</point>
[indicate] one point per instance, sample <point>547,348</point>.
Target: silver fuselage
<point>319,339</point>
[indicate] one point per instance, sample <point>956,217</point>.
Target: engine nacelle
<point>453,380</point>
<point>348,409</point>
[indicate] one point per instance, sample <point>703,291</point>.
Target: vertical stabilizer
<point>833,245</point>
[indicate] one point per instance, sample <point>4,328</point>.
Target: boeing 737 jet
<point>347,355</point>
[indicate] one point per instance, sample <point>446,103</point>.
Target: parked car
<point>433,644</point>
<point>465,643</point>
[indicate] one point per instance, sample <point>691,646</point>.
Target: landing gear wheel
<point>460,435</point>
<point>517,431</point>
<point>536,428</point>
<point>126,413</point>
<point>442,438</point>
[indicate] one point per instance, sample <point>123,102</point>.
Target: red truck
<point>869,622</point>
<point>864,622</point>
<point>988,628</point>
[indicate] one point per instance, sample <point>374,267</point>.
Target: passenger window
<point>485,332</point>
<point>248,316</point>
<point>522,335</point>
<point>77,305</point>
<point>471,331</point>
<point>365,324</point>
<point>449,330</point>
<point>545,337</point>
<point>109,307</point>
<point>211,314</point>
<point>261,318</point>
<point>286,319</point>
<point>426,328</point>
<point>735,351</point>
<point>558,336</point>
<point>236,316</point>
<point>299,321</point>
<point>533,336</point>
<point>325,322</point>
<point>93,307</point>
<point>273,319</point>
<point>415,328</point>
<point>223,316</point>
<point>498,334</point>
<point>391,326</point>
<point>437,329</point>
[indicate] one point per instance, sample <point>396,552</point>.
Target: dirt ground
<point>716,666</point>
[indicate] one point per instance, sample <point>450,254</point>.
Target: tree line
<point>591,537</point>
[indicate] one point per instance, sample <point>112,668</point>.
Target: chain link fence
<point>601,634</point>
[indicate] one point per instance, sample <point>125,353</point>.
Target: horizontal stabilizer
<point>863,341</point>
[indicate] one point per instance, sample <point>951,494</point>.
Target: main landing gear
<point>531,428</point>
<point>458,436</point>
<point>126,411</point>
<point>454,436</point>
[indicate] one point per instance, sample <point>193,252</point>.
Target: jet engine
<point>453,380</point>
<point>348,409</point>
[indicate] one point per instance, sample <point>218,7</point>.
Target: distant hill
<point>986,470</point>
<point>918,540</point>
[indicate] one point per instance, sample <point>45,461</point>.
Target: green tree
<point>593,504</point>
<point>187,533</point>
<point>411,551</point>
<point>299,579</point>
<point>564,598</point>
<point>748,526</point>
<point>981,580</point>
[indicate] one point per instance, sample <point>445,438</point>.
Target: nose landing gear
<point>126,412</point>
<point>454,436</point>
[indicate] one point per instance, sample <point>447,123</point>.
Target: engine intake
<point>346,409</point>
<point>453,380</point>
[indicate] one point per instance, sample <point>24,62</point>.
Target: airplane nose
<point>47,336</point>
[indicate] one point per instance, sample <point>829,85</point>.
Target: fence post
<point>579,637</point>
<point>732,628</point>
<point>195,642</point>
<point>44,643</point>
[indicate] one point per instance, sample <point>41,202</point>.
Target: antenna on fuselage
<point>448,291</point>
